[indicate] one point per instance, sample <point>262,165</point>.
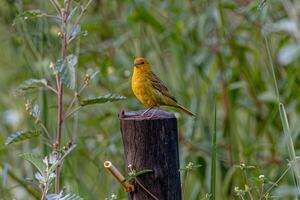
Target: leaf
<point>32,84</point>
<point>71,197</point>
<point>101,99</point>
<point>128,178</point>
<point>36,161</point>
<point>60,197</point>
<point>20,136</point>
<point>66,69</point>
<point>29,14</point>
<point>53,196</point>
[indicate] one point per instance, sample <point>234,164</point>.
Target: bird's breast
<point>143,90</point>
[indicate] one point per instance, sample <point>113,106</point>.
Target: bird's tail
<point>184,109</point>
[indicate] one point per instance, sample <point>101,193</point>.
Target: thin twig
<point>78,19</point>
<point>145,189</point>
<point>75,96</point>
<point>72,112</point>
<point>272,67</point>
<point>51,88</point>
<point>45,129</point>
<point>52,16</point>
<point>72,102</point>
<point>56,6</point>
<point>276,183</point>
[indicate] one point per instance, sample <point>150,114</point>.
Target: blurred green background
<point>202,49</point>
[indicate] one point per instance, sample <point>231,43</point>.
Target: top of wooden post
<point>137,115</point>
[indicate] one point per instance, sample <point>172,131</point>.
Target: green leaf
<point>36,161</point>
<point>29,14</point>
<point>32,84</point>
<point>66,69</point>
<point>129,177</point>
<point>71,197</point>
<point>21,135</point>
<point>101,99</point>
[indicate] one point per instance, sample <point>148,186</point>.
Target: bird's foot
<point>152,114</point>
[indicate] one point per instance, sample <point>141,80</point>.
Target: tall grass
<point>286,129</point>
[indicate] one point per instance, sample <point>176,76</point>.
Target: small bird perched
<point>150,90</point>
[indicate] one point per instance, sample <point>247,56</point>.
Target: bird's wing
<point>158,85</point>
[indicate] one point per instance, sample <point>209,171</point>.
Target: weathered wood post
<point>152,144</point>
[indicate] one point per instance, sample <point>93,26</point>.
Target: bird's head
<point>141,63</point>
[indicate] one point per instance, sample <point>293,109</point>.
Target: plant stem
<point>214,157</point>
<point>59,127</point>
<point>68,114</point>
<point>60,90</point>
<point>276,183</point>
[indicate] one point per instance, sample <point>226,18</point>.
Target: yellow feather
<point>149,89</point>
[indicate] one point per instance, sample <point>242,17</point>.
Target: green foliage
<point>101,99</point>
<point>66,69</point>
<point>36,161</point>
<point>32,84</point>
<point>71,197</point>
<point>21,135</point>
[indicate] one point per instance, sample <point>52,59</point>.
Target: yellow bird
<point>150,90</point>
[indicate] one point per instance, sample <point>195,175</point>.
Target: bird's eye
<point>139,63</point>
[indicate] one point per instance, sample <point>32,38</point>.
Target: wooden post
<point>152,144</point>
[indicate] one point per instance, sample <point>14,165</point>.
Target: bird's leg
<point>153,113</point>
<point>146,111</point>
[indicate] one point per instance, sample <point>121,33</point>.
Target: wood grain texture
<point>152,144</point>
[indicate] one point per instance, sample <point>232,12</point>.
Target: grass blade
<point>294,162</point>
<point>213,158</point>
<point>286,130</point>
